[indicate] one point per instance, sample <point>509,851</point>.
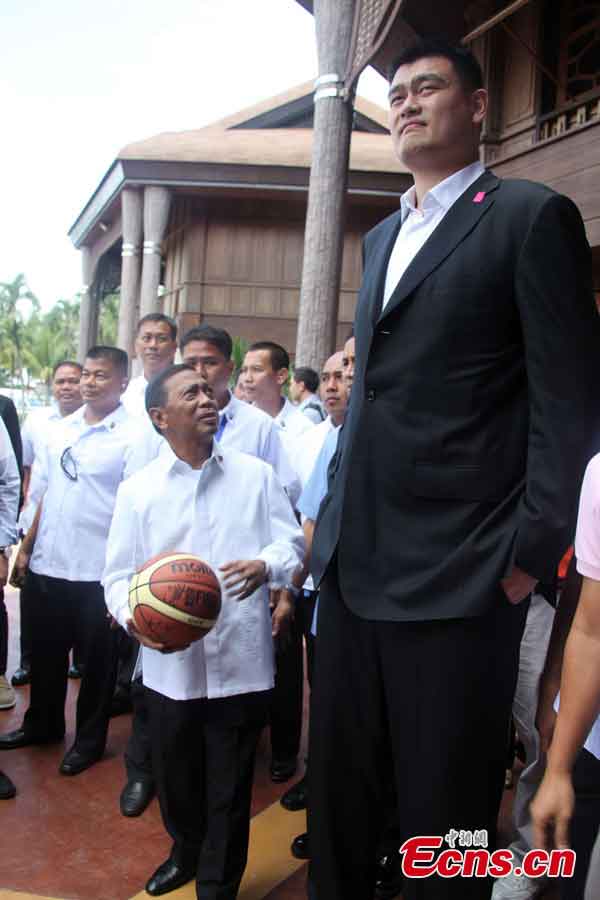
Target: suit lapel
<point>380,263</point>
<point>460,219</point>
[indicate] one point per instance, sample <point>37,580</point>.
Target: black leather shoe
<point>75,762</point>
<point>135,797</point>
<point>283,769</point>
<point>388,882</point>
<point>300,846</point>
<point>7,788</point>
<point>21,676</point>
<point>74,671</point>
<point>21,738</point>
<point>168,877</point>
<point>296,797</point>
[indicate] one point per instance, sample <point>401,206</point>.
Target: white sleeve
<point>27,441</point>
<point>285,553</point>
<point>10,489</point>
<point>277,457</point>
<point>121,562</point>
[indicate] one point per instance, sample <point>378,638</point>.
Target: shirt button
<point>371,396</point>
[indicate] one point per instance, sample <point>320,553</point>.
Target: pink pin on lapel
<point>479,196</point>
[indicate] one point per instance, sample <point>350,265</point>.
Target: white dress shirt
<point>241,427</point>
<point>291,423</point>
<point>134,396</point>
<point>34,430</point>
<point>419,224</point>
<point>76,514</point>
<point>39,432</point>
<point>307,448</point>
<point>232,508</point>
<point>10,489</point>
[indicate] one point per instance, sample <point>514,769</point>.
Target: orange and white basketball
<point>174,599</point>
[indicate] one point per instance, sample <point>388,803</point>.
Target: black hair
<point>156,394</point>
<point>309,377</point>
<point>117,357</point>
<point>218,337</point>
<point>159,317</point>
<point>67,362</point>
<point>279,356</point>
<point>463,60</point>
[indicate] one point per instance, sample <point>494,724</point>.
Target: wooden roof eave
<point>222,177</point>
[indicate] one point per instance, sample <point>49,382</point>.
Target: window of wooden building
<point>570,86</point>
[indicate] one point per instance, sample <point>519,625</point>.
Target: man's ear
<point>282,376</point>
<point>124,384</point>
<point>159,417</point>
<point>479,105</point>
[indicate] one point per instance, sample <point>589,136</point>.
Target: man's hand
<point>551,811</point>
<point>3,570</point>
<point>282,617</point>
<point>20,567</point>
<point>152,645</point>
<point>518,585</point>
<point>244,576</point>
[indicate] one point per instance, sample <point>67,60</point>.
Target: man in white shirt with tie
<point>155,347</point>
<point>208,702</point>
<point>62,558</point>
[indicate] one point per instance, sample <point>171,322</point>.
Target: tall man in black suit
<point>454,487</point>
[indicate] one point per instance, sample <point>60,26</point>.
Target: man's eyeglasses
<point>68,464</point>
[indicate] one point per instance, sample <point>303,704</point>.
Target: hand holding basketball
<point>244,576</point>
<point>174,600</point>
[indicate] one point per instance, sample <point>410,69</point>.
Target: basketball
<point>174,599</point>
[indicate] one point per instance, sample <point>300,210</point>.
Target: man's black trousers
<point>203,755</point>
<point>64,613</point>
<point>424,703</point>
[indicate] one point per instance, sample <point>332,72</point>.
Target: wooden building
<point>215,217</point>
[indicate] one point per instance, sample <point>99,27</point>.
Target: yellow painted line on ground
<point>269,859</point>
<point>16,895</point>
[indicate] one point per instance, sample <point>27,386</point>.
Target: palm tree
<point>14,295</point>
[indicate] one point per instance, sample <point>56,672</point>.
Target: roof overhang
<point>216,178</point>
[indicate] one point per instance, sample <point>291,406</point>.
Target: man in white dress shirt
<point>155,347</point>
<point>265,373</point>
<point>38,426</point>
<point>62,558</point>
<point>207,702</point>
<point>243,427</point>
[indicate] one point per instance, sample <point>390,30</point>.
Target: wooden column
<point>132,202</point>
<point>156,216</point>
<point>88,310</point>
<point>324,235</point>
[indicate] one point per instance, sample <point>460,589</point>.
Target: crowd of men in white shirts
<point>117,471</point>
<point>195,457</point>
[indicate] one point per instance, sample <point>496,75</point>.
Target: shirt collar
<point>444,194</point>
<point>174,464</point>
<point>109,422</point>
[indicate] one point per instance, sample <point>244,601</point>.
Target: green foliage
<point>240,348</point>
<point>32,342</point>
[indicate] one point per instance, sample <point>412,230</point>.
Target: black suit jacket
<point>472,412</point>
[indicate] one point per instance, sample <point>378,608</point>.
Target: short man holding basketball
<point>207,702</point>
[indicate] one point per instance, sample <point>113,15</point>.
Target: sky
<point>80,79</point>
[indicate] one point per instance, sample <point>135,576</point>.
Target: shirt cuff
<point>588,569</point>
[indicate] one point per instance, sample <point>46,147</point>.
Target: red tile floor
<point>64,837</point>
